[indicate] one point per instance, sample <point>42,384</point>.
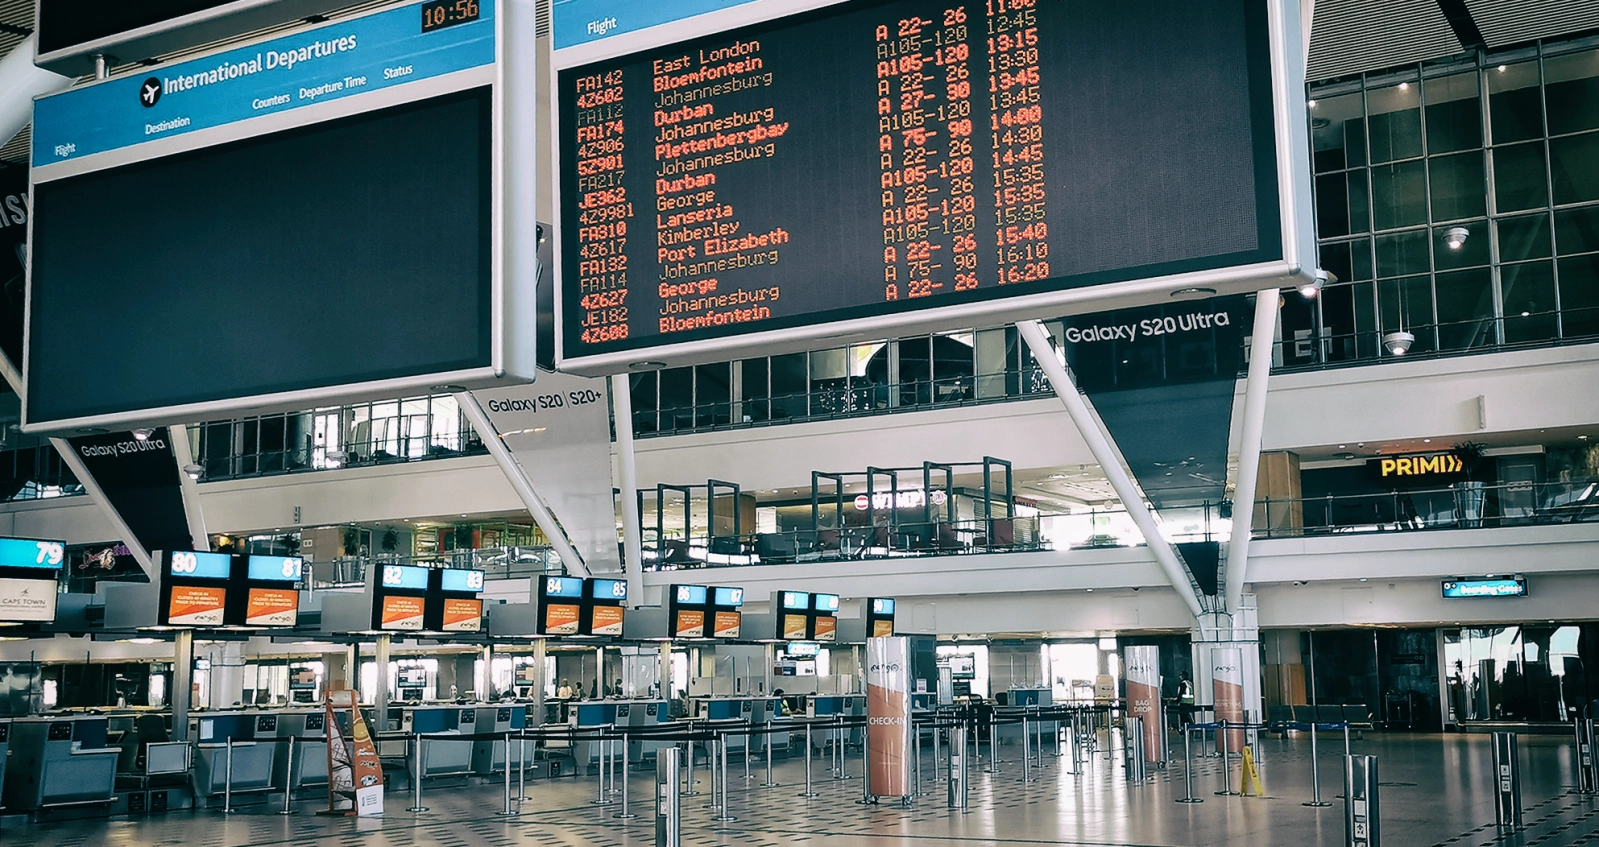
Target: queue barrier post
<point>1315,772</point>
<point>1027,753</point>
<point>808,791</point>
<point>1226,762</point>
<point>521,766</point>
<point>600,798</point>
<point>288,780</point>
<point>1362,818</point>
<point>416,774</point>
<point>1587,768</point>
<point>770,782</point>
<point>726,812</point>
<point>1188,766</point>
<point>507,811</point>
<point>625,814</point>
<point>227,781</point>
<point>1507,781</point>
<point>668,798</point>
<point>1136,770</point>
<point>957,768</point>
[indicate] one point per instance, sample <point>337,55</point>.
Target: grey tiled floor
<point>1435,793</point>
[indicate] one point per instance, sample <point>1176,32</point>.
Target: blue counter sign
<point>462,580</point>
<point>339,59</point>
<point>405,577</point>
<point>1457,589</point>
<point>581,21</point>
<point>28,553</point>
<point>184,563</point>
<point>275,568</point>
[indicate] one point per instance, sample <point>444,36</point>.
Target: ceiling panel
<point>1353,36</point>
<point>1507,22</point>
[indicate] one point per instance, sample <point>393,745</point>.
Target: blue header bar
<point>405,577</point>
<point>339,59</point>
<point>691,595</point>
<point>824,602</point>
<point>883,606</point>
<point>729,598</point>
<point>183,563</point>
<point>608,589</point>
<point>797,600</point>
<point>563,586</point>
<point>275,568</point>
<point>466,581</point>
<point>581,21</point>
<point>28,553</point>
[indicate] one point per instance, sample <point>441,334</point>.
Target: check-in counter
<point>59,761</point>
<point>441,755</point>
<point>234,752</point>
<point>830,705</point>
<point>1021,698</point>
<point>488,757</point>
<point>586,751</point>
<point>306,762</point>
<point>640,714</point>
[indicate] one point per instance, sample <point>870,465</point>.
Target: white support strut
<point>627,479</point>
<point>1260,356</point>
<point>1105,453</point>
<point>524,488</point>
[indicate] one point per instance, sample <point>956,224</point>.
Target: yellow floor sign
<point>1248,775</point>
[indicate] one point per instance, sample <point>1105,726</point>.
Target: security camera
<point>1398,343</point>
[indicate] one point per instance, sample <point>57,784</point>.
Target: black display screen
<point>877,157</point>
<point>344,252</point>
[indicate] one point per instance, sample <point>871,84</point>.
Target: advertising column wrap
<point>888,716</point>
<point>1143,698</point>
<point>1227,679</point>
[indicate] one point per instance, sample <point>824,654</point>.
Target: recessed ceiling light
<point>1426,441</point>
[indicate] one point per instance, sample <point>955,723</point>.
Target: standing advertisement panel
<point>1227,679</point>
<point>355,778</point>
<point>888,716</point>
<point>1143,698</point>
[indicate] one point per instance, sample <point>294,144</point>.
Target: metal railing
<point>496,562</point>
<point>1466,505</point>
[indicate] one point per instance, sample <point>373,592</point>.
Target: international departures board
<point>874,158</point>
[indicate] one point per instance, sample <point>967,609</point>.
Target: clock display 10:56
<point>442,13</point>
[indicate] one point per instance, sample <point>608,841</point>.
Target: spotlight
<point>1455,237</point>
<point>1398,343</point>
<point>194,471</point>
<point>143,434</point>
<point>1310,289</point>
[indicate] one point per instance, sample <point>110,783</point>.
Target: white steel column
<point>21,81</point>
<point>627,479</point>
<point>1260,356</point>
<point>189,486</point>
<point>524,487</point>
<point>1105,453</point>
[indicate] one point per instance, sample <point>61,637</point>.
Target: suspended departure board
<point>917,164</point>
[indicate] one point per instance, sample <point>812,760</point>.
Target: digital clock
<point>442,13</point>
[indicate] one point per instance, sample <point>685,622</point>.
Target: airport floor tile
<point>1435,791</point>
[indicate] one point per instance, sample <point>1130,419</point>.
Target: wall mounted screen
<point>275,568</point>
<point>869,160</point>
<point>299,260</point>
<point>32,554</point>
<point>1458,589</point>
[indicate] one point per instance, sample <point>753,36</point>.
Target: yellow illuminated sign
<point>1445,463</point>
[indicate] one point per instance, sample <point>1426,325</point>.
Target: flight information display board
<point>929,163</point>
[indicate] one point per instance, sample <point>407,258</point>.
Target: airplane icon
<point>150,92</point>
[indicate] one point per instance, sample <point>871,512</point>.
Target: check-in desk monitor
<point>59,761</point>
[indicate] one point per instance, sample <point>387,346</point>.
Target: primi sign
<point>1438,467</point>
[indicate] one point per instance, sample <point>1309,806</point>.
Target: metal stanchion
<point>1586,770</point>
<point>668,800</point>
<point>600,798</point>
<point>770,782</point>
<point>1507,781</point>
<point>1315,772</point>
<point>288,780</point>
<point>711,759</point>
<point>1027,753</point>
<point>957,768</point>
<point>625,814</point>
<point>610,763</point>
<point>1226,762</point>
<point>935,747</point>
<point>1188,766</point>
<point>808,791</point>
<point>726,810</point>
<point>1362,820</point>
<point>227,782</point>
<point>866,770</point>
<point>1133,744</point>
<point>1076,743</point>
<point>521,766</point>
<point>993,744</point>
<point>416,775</point>
<point>1347,750</point>
<point>507,812</point>
<point>916,750</point>
<point>1038,738</point>
<point>688,788</point>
